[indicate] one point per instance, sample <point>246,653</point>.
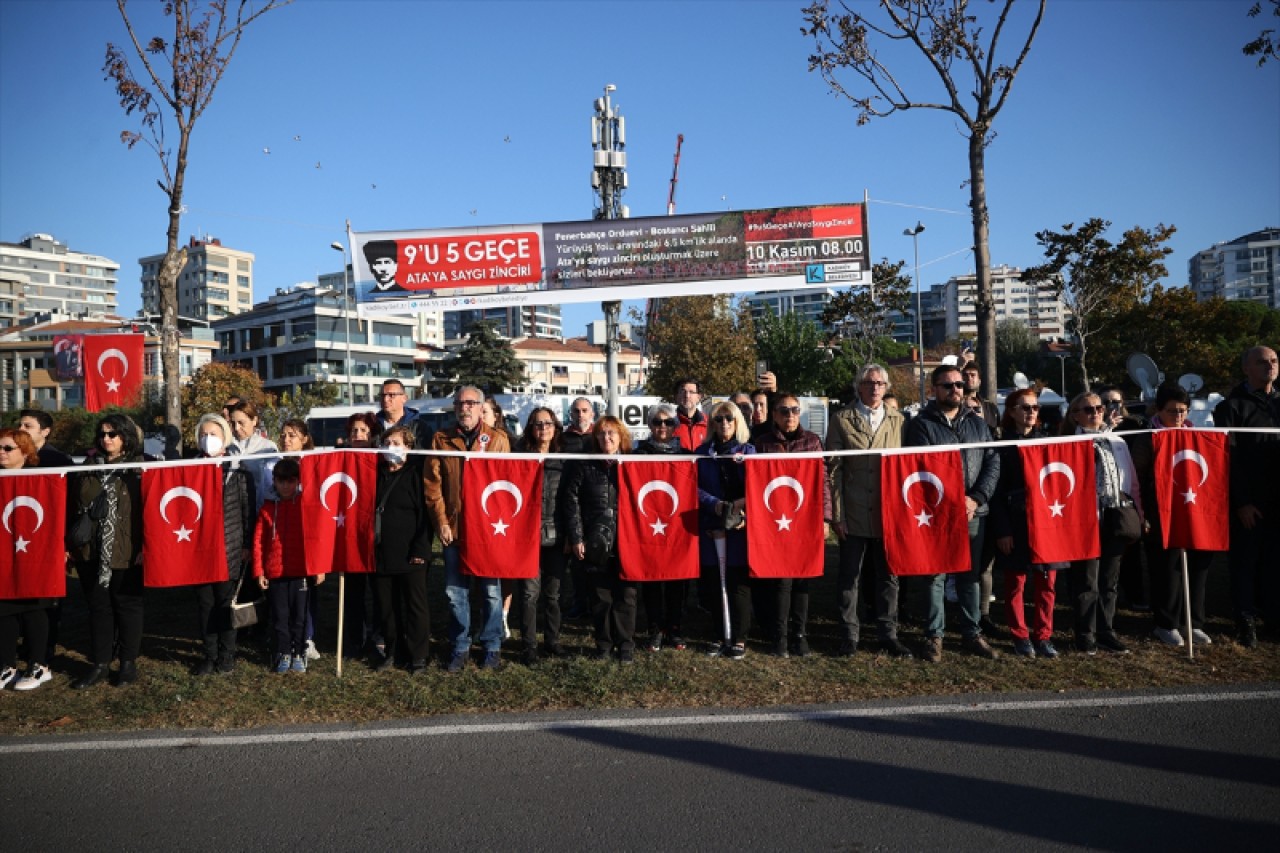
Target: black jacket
<point>552,473</point>
<point>405,529</point>
<point>238,516</point>
<point>981,464</point>
<point>1255,459</point>
<point>1009,503</point>
<point>588,493</point>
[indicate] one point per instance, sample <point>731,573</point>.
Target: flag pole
<point>342,601</point>
<point>724,593</point>
<point>1186,598</point>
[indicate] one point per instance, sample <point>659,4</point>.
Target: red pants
<point>1042,593</point>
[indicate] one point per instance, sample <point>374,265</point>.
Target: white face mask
<point>210,445</point>
<point>394,453</point>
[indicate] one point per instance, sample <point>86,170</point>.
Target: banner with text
<point>787,248</point>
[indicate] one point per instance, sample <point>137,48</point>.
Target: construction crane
<point>675,177</point>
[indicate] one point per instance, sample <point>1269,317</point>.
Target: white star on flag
<point>1055,509</point>
<point>184,535</point>
<point>784,523</point>
<point>924,519</point>
<point>113,385</point>
<point>22,544</point>
<point>659,528</point>
<point>341,519</point>
<point>500,528</point>
<point>1189,496</point>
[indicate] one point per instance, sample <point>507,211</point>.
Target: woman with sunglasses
<point>542,436</point>
<point>1095,583</point>
<point>110,565</point>
<point>1008,529</point>
<point>664,600</point>
<point>1172,407</point>
<point>722,497</point>
<point>790,596</point>
<point>28,617</point>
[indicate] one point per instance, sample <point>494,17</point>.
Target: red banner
<point>658,520</point>
<point>32,554</point>
<point>1062,501</point>
<point>784,517</point>
<point>113,370</point>
<point>183,527</point>
<point>502,523</point>
<point>926,529</point>
<point>1191,488</point>
<point>338,500</point>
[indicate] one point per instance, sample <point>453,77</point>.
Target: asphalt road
<point>1154,771</point>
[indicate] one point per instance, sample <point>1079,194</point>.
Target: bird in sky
<point>317,164</point>
<point>297,138</point>
<point>266,150</point>
<point>506,139</point>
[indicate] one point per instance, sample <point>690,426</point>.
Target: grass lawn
<point>167,696</point>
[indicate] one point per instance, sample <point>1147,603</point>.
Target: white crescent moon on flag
<point>110,354</point>
<point>331,481</point>
<point>181,492</point>
<point>502,486</point>
<point>784,482</point>
<point>1058,468</point>
<point>664,487</point>
<point>61,345</point>
<point>1183,456</point>
<point>27,501</point>
<point>922,477</point>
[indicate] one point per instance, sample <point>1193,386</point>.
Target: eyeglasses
<point>8,448</point>
<point>787,410</point>
<point>1029,408</point>
<point>666,422</point>
<point>106,433</point>
<point>466,404</point>
<point>724,419</point>
<point>1097,410</point>
<point>544,424</point>
<point>874,382</point>
<point>958,386</point>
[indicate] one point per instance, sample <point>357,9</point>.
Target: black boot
<point>128,673</point>
<point>97,674</point>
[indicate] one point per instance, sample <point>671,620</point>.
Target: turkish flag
<point>183,528</point>
<point>339,495</point>
<point>658,520</point>
<point>1191,488</point>
<point>785,536</point>
<point>502,517</point>
<point>926,530</point>
<point>112,370</point>
<point>1062,501</point>
<point>32,555</point>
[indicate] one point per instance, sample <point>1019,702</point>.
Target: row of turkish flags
<point>922,499</point>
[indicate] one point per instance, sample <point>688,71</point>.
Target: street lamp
<point>346,317</point>
<point>914,234</point>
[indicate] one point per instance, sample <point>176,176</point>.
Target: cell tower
<point>609,179</point>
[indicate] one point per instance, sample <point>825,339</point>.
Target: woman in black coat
<point>589,507</point>
<point>402,552</point>
<point>110,566</point>
<point>542,435</point>
<point>664,600</point>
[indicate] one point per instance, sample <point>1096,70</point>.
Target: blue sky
<point>1137,111</point>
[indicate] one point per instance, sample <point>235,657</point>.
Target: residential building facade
<point>56,279</point>
<point>1034,303</point>
<point>521,321</point>
<point>575,366</point>
<point>216,282</point>
<point>1243,268</point>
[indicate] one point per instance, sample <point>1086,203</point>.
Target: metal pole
<point>914,234</point>
<point>1186,598</point>
<point>346,317</point>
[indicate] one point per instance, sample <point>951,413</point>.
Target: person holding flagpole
<point>664,600</point>
<point>542,435</point>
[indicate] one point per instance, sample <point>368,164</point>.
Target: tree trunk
<point>175,258</point>
<point>985,307</point>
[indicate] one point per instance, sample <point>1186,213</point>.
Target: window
<point>560,371</point>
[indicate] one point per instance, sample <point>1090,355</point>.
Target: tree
<point>180,78</point>
<point>210,388</point>
<point>703,337</point>
<point>1017,350</point>
<point>962,53</point>
<point>1265,45</point>
<point>1097,279</point>
<point>862,317</point>
<point>486,361</point>
<point>287,406</point>
<point>796,349</point>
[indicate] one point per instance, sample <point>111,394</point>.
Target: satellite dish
<point>1191,382</point>
<point>1020,380</point>
<point>1142,370</point>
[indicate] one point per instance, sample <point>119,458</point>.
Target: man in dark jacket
<point>947,420</point>
<point>1254,558</point>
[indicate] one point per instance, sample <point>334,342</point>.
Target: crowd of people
<point>419,499</point>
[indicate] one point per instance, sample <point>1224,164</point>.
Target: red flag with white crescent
<point>658,520</point>
<point>1062,501</point>
<point>32,517</point>
<point>926,531</point>
<point>785,535</point>
<point>339,493</point>
<point>1191,488</point>
<point>502,517</point>
<point>113,370</point>
<point>183,541</point>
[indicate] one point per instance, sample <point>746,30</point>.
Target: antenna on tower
<point>609,179</point>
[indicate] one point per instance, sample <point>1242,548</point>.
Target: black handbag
<point>1121,522</point>
<point>245,614</point>
<point>80,532</point>
<point>602,535</point>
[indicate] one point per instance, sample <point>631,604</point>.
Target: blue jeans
<point>457,587</point>
<point>968,590</point>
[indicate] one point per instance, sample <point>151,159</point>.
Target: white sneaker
<point>8,676</point>
<point>312,652</point>
<point>1201,638</point>
<point>1169,636</point>
<point>36,676</point>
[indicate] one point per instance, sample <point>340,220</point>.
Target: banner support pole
<point>1186,599</point>
<point>342,610</point>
